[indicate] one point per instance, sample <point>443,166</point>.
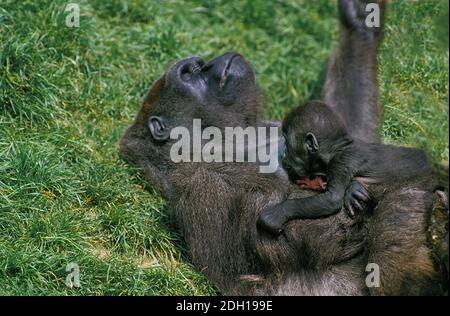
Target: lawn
<point>67,94</point>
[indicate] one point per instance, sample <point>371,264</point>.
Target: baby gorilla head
<point>313,135</point>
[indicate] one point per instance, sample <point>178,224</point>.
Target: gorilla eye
<point>159,128</point>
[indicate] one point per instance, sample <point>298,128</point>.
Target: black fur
<point>317,143</point>
<point>216,205</point>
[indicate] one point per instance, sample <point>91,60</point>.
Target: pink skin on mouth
<point>316,183</point>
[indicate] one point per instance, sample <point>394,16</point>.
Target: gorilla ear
<point>312,145</point>
<point>159,128</point>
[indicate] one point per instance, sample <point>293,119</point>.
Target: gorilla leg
<point>398,243</point>
<point>351,87</point>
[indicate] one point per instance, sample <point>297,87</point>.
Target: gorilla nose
<point>229,68</point>
<point>188,67</point>
<point>229,55</point>
<point>224,61</point>
<point>226,64</point>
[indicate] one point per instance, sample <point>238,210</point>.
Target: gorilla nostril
<point>190,68</point>
<point>198,65</point>
<point>195,68</point>
<point>186,72</point>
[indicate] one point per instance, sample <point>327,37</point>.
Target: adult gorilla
<point>216,205</point>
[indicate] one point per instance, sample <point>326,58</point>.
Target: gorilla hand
<point>356,196</point>
<point>272,219</point>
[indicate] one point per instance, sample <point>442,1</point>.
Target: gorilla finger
<point>365,193</point>
<point>357,205</point>
<point>361,195</point>
<point>350,212</point>
<point>347,203</point>
<point>265,224</point>
<point>275,231</point>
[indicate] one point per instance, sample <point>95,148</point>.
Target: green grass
<point>67,94</point>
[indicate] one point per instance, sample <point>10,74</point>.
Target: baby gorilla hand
<point>271,219</point>
<point>356,196</point>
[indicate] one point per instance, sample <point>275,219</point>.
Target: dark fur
<point>317,143</point>
<point>216,205</point>
<point>352,71</point>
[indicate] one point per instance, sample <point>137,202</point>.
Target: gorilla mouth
<point>317,182</point>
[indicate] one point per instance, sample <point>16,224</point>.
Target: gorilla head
<point>221,92</point>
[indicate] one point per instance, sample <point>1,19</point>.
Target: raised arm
<point>351,87</point>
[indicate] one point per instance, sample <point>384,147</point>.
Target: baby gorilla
<point>348,170</point>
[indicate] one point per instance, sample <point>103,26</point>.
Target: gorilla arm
<point>322,205</point>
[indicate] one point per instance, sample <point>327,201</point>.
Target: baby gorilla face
<point>312,134</point>
<point>306,171</point>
